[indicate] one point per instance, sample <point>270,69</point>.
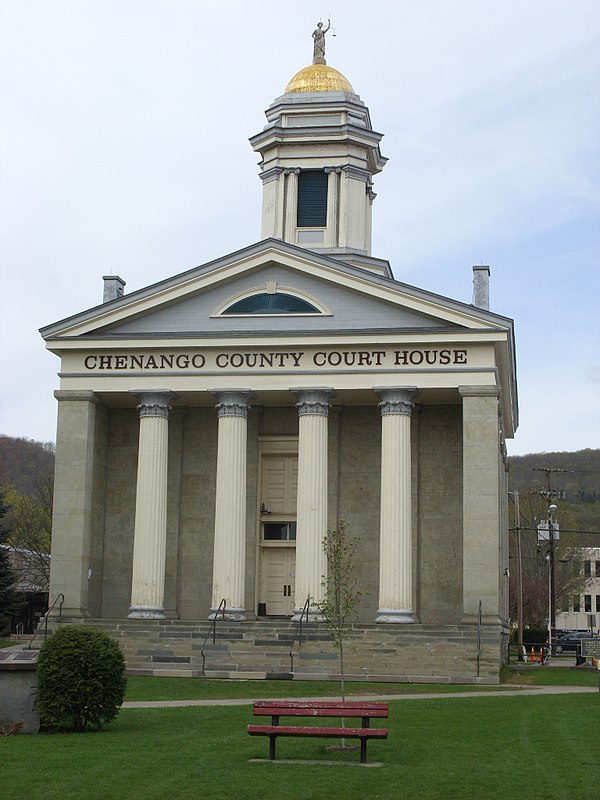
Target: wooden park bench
<point>316,708</point>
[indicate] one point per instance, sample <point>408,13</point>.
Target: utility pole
<point>552,621</point>
<point>520,625</point>
<point>550,494</point>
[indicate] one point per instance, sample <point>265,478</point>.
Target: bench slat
<point>307,730</point>
<point>368,710</point>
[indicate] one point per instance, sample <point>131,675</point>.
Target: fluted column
<point>333,183</point>
<point>290,214</point>
<point>311,515</point>
<point>229,563</point>
<point>150,532</point>
<point>395,544</point>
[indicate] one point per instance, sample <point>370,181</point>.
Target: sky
<point>124,149</point>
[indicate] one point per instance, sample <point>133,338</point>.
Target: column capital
<point>154,402</point>
<point>314,402</point>
<point>270,174</point>
<point>336,170</point>
<point>291,171</point>
<point>232,402</point>
<point>356,172</point>
<point>396,399</point>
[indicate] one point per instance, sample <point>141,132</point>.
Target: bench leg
<point>272,740</point>
<point>363,751</point>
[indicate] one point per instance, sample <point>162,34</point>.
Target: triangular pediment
<point>345,298</point>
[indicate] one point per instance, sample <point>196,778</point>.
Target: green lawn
<point>166,688</point>
<point>149,688</point>
<point>550,676</point>
<point>450,748</point>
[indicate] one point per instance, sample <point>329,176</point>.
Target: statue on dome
<point>319,42</point>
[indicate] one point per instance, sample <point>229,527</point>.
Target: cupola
<point>319,154</point>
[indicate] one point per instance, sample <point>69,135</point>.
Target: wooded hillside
<point>575,474</point>
<point>25,464</point>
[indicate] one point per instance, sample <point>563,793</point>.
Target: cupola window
<point>312,199</point>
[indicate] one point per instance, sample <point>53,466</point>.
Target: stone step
<point>263,647</point>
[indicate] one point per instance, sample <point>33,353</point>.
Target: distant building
<point>584,609</point>
<point>31,570</point>
<point>212,426</point>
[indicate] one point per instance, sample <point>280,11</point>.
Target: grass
<point>150,688</point>
<point>479,747</point>
<point>6,642</point>
<point>166,688</point>
<point>550,676</point>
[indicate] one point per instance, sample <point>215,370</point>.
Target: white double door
<point>277,503</point>
<point>278,580</point>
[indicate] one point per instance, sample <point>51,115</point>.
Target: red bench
<point>277,709</point>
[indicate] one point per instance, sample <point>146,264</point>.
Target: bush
<point>80,679</point>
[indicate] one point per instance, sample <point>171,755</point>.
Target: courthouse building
<point>214,425</point>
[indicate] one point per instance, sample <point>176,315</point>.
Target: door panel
<point>278,579</point>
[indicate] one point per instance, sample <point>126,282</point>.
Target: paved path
<point>522,691</point>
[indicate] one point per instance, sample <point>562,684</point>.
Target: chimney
<point>113,287</point>
<point>481,287</point>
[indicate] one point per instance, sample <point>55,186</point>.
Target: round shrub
<point>81,684</point>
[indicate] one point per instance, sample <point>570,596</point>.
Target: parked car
<point>572,641</point>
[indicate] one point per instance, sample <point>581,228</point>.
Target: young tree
<point>31,529</point>
<point>9,601</point>
<point>342,594</point>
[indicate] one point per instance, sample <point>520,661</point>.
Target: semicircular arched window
<point>272,303</point>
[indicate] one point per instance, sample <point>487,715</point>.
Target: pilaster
<point>72,517</point>
<point>481,504</point>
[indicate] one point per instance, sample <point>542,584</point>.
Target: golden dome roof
<point>318,78</point>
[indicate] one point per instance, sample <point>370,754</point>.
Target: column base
<point>395,616</point>
<point>228,615</point>
<point>486,619</point>
<point>314,615</point>
<point>146,612</point>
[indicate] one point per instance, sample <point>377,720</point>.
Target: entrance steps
<point>261,649</point>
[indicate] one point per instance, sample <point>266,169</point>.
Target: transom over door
<point>279,489</point>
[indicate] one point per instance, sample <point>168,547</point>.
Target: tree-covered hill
<point>574,479</point>
<point>25,464</point>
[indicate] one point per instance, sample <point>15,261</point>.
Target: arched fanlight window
<point>272,303</point>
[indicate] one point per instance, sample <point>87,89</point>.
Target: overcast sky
<point>123,147</point>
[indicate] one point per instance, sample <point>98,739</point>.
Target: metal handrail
<point>213,629</point>
<point>298,635</point>
<point>58,597</point>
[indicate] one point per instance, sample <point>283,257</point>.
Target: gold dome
<point>318,78</point>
